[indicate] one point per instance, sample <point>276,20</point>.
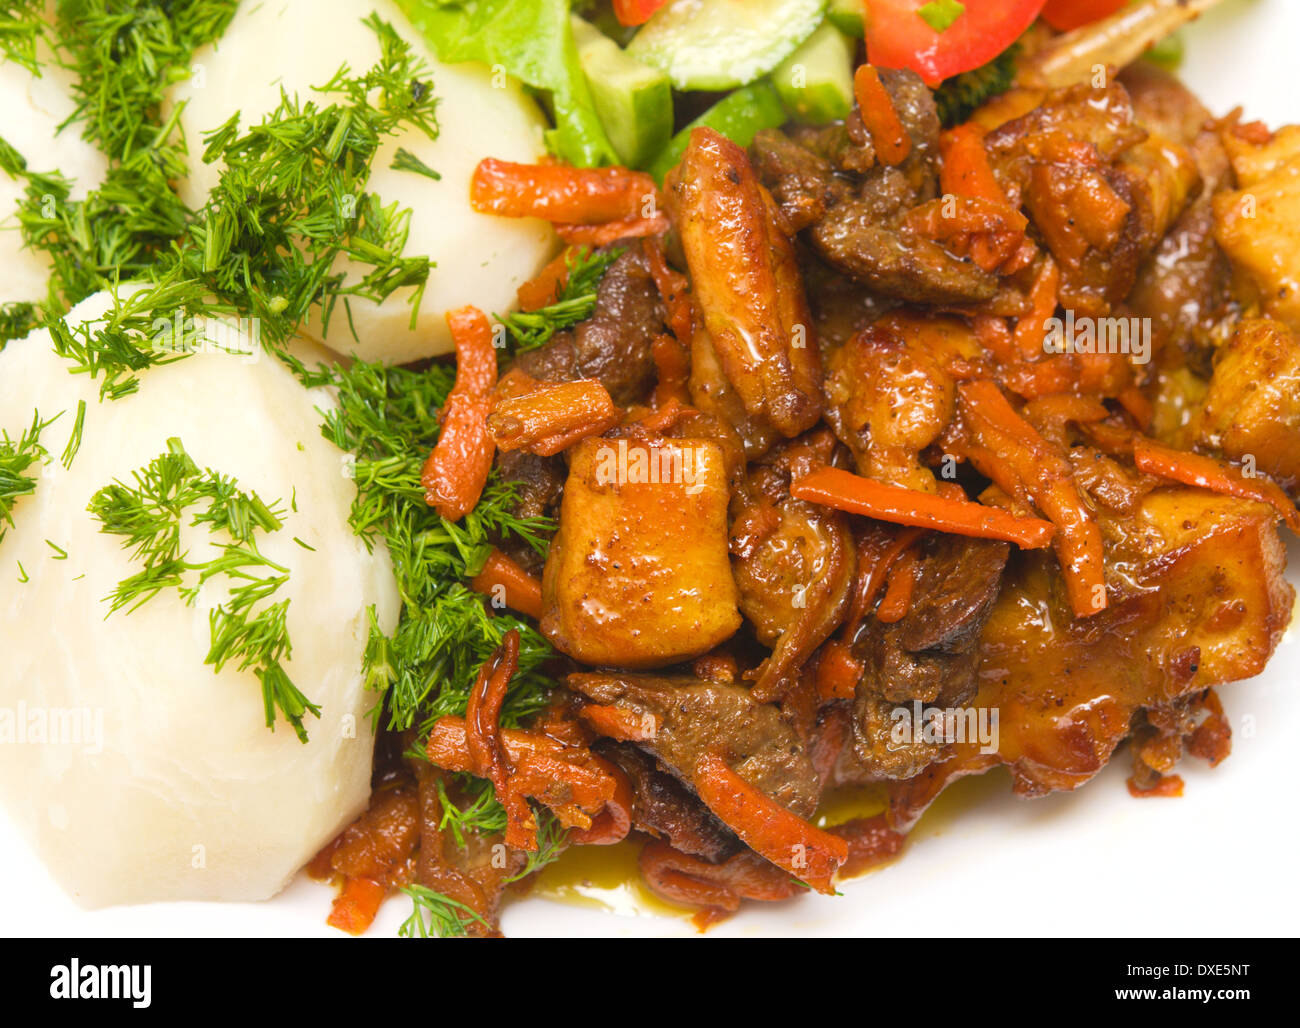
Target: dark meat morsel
<point>696,717</point>
<point>793,561</point>
<point>613,345</point>
<point>666,809</point>
<point>853,222</point>
<point>931,654</point>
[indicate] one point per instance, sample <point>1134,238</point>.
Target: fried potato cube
<point>638,575</point>
<point>1255,225</point>
<point>1252,409</point>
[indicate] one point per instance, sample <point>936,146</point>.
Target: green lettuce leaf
<point>533,41</point>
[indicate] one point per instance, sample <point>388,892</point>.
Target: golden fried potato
<point>638,575</point>
<point>1198,597</point>
<point>1252,409</point>
<point>1255,224</point>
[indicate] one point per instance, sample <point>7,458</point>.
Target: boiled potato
<point>154,778</point>
<point>481,259</point>
<point>31,110</point>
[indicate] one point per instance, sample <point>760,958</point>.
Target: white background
<point>1219,861</point>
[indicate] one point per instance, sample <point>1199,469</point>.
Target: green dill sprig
<point>16,458</point>
<point>22,27</point>
<point>17,318</point>
<point>387,418</point>
<point>247,629</point>
<point>436,915</point>
<point>577,300</point>
<point>404,160</point>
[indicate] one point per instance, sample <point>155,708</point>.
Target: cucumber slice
<point>633,101</point>
<point>849,16</point>
<point>738,116</point>
<point>816,81</point>
<point>722,44</point>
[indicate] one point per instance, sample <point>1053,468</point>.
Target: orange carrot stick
<point>766,827</point>
<point>876,108</point>
<point>674,369</point>
<point>356,906</point>
<point>612,231</point>
<point>520,590</point>
<point>621,723</point>
<point>456,471</point>
<point>487,754</point>
<point>1216,476</point>
<point>897,600</point>
<point>674,290</point>
<point>838,672</point>
<point>1009,451</point>
<point>1031,329</point>
<point>559,193</point>
<point>544,289</point>
<point>964,168</point>
<point>832,487</point>
<point>552,416</point>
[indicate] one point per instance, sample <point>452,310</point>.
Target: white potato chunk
<point>31,110</point>
<point>481,259</point>
<point>137,772</point>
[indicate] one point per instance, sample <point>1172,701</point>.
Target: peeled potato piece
<point>481,259</point>
<point>154,778</point>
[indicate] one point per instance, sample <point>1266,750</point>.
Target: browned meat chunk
<point>613,345</point>
<point>665,808</point>
<point>931,654</point>
<point>696,717</point>
<point>793,561</point>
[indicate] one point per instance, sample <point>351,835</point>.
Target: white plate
<point>1218,861</point>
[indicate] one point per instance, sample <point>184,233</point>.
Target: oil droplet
<point>604,878</point>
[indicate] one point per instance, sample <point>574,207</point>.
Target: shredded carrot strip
<point>1216,476</point>
<point>612,231</point>
<point>521,591</point>
<point>766,827</point>
<point>561,194</point>
<point>990,232</point>
<point>674,290</point>
<point>838,672</point>
<point>1031,329</point>
<point>487,755</point>
<point>544,289</point>
<point>964,168</point>
<point>355,907</point>
<point>1009,451</point>
<point>1138,406</point>
<point>457,470</point>
<point>897,600</point>
<point>674,369</point>
<point>577,785</point>
<point>552,416</point>
<point>888,136</point>
<point>620,723</point>
<point>832,487</point>
<point>995,336</point>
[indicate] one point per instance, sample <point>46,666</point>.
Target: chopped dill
<point>577,300</point>
<point>246,629</point>
<point>74,440</point>
<point>436,915</point>
<point>404,160</point>
<point>16,458</point>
